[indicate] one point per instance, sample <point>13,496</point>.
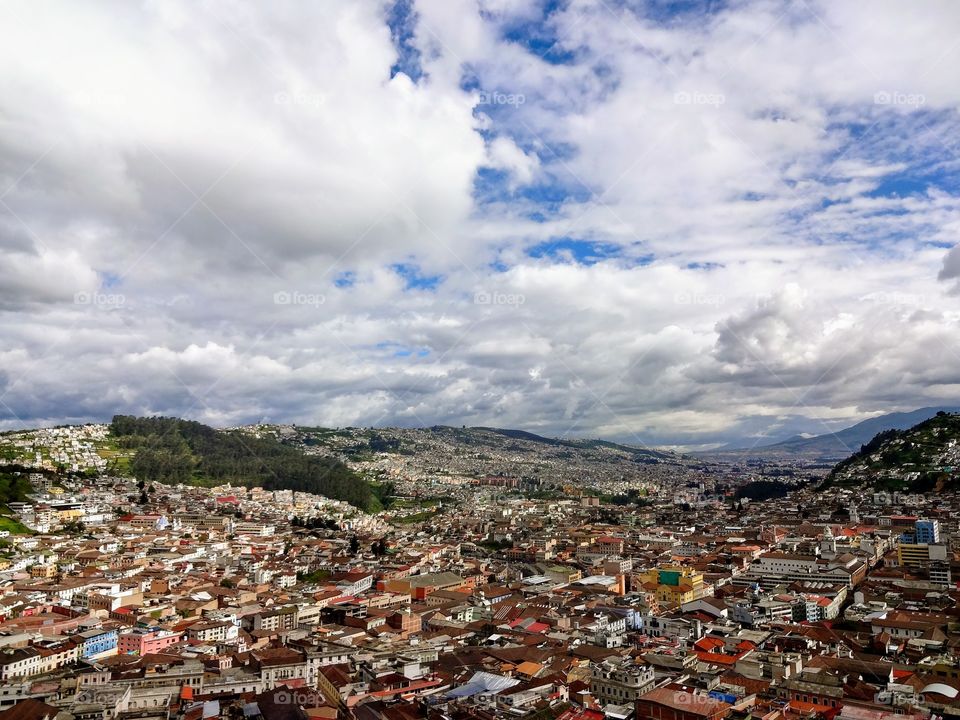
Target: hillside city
<point>505,576</point>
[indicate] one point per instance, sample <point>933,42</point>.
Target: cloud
<point>581,219</point>
<point>506,155</point>
<point>951,267</point>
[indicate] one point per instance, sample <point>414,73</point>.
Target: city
<point>472,594</point>
<point>479,360</point>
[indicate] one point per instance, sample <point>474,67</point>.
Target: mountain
<point>923,458</point>
<point>638,452</point>
<point>831,447</point>
<point>521,458</point>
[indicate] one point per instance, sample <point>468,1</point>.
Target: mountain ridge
<point>833,446</point>
<point>925,457</point>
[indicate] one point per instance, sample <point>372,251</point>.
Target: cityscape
<point>604,585</point>
<point>479,360</point>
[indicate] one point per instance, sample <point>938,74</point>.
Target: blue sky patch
<point>899,186</point>
<point>491,185</point>
<point>539,37</point>
<point>414,279</point>
<point>671,12</point>
<point>109,280</point>
<point>399,350</point>
<point>345,279</point>
<point>582,252</point>
<point>402,21</point>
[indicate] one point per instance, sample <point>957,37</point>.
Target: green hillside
<point>170,450</point>
<point>922,458</point>
<point>14,485</point>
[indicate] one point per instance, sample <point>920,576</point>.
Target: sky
<point>662,222</point>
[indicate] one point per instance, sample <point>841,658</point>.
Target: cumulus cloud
<point>951,267</point>
<point>584,219</point>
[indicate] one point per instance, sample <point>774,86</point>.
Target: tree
<point>354,545</point>
<point>74,527</point>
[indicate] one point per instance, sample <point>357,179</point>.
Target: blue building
<point>927,532</point>
<point>97,642</point>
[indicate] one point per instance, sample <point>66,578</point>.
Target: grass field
<point>14,526</point>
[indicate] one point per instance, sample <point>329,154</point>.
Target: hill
<point>474,453</point>
<point>14,485</point>
<point>831,447</point>
<point>641,454</point>
<point>170,450</point>
<point>925,457</point>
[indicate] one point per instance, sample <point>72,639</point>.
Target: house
<point>668,704</point>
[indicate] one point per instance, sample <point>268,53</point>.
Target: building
<point>19,662</point>
<point>665,703</point>
<point>674,585</point>
<point>285,618</point>
<point>927,531</point>
<point>419,586</point>
<point>253,528</point>
<point>97,643</point>
<point>673,628</point>
<point>818,608</point>
<point>934,558</point>
<point>144,641</point>
<point>213,631</point>
<point>779,568</point>
<point>620,681</point>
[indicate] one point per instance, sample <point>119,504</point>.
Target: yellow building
<point>941,667</point>
<point>43,571</point>
<point>563,573</point>
<point>913,555</point>
<point>673,585</point>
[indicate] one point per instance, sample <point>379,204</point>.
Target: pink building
<point>143,641</point>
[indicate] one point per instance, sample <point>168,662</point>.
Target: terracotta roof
<point>689,703</point>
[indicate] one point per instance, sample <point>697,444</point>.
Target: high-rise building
<point>927,531</point>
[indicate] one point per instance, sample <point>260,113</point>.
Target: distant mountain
<point>831,447</point>
<point>922,458</point>
<point>639,452</point>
